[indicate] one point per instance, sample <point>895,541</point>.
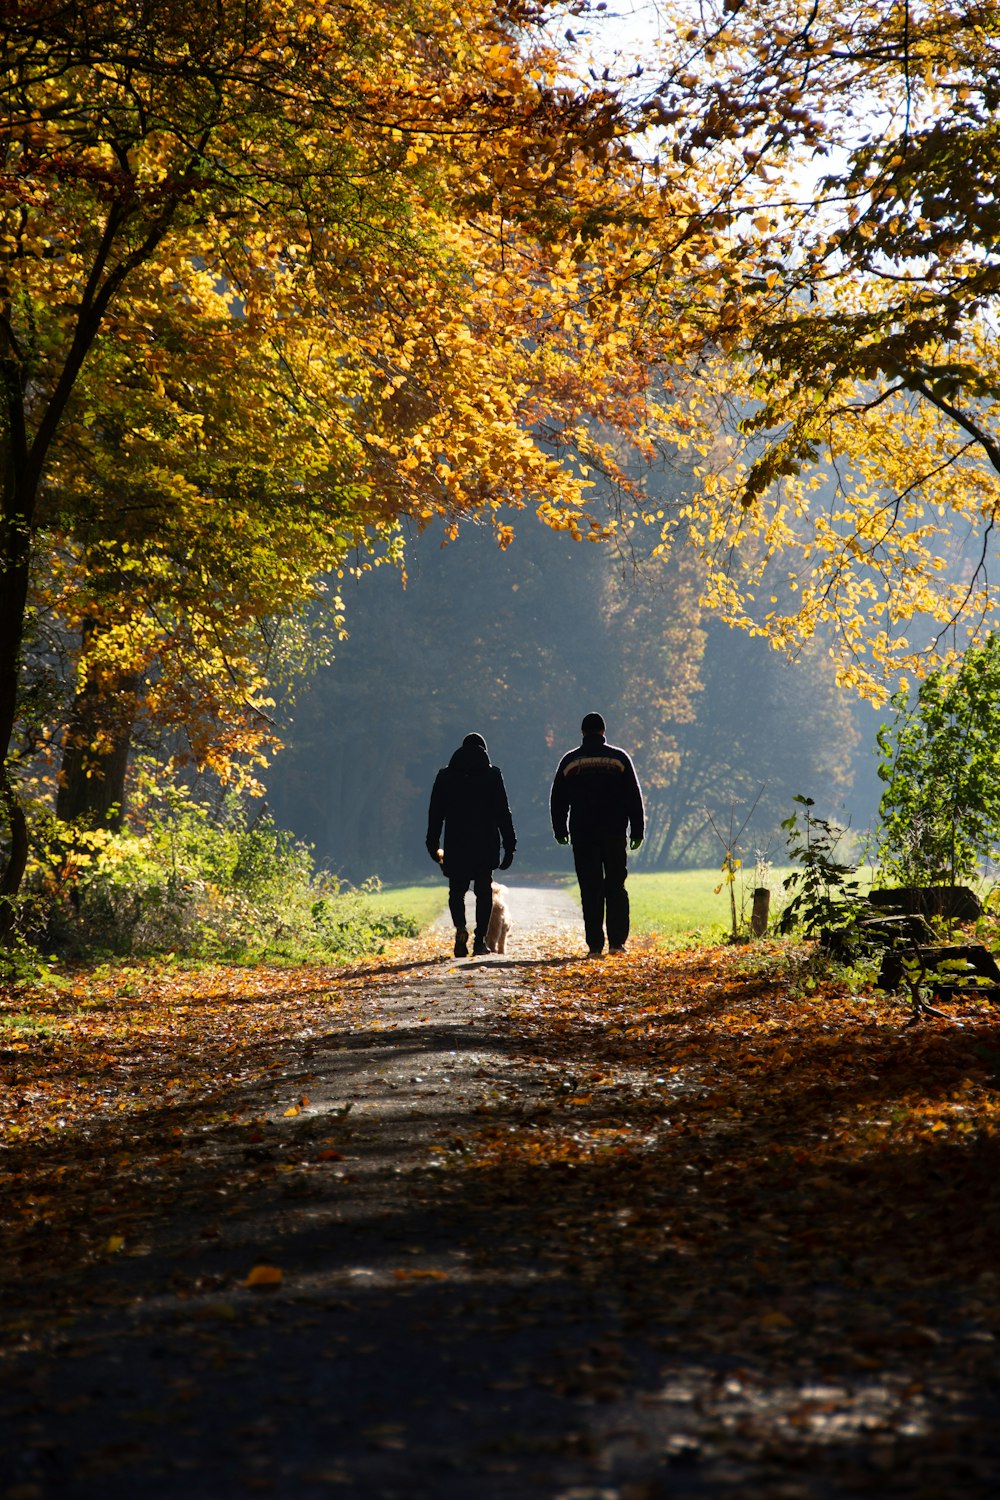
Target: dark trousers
<point>482,883</point>
<point>602,869</point>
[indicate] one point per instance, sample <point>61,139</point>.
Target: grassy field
<point>676,903</point>
<point>680,903</point>
<point>424,902</point>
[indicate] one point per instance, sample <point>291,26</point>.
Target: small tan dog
<point>496,932</point>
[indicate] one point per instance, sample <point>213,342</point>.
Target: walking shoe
<point>479,946</point>
<point>595,952</point>
<point>462,943</point>
<point>617,948</point>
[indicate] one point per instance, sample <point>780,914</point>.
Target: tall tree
<point>765,729</point>
<point>857,343</point>
<point>388,261</point>
<point>940,808</point>
<point>652,612</point>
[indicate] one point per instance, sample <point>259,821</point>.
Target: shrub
<point>940,811</point>
<point>195,880</point>
<point>823,895</point>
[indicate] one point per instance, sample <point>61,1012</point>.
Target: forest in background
<point>518,645</point>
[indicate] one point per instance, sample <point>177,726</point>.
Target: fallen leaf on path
<point>264,1276</point>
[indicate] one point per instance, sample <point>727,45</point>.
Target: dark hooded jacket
<point>469,800</point>
<point>597,791</point>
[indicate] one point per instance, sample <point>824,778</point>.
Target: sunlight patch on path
<point>544,919</point>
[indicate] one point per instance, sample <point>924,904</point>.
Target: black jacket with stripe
<point>596,793</point>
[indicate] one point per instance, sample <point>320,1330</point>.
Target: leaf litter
<point>716,1233</point>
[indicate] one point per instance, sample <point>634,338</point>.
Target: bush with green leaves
<point>824,903</point>
<point>199,880</point>
<point>940,762</point>
<point>823,893</point>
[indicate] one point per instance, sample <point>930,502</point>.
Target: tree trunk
<point>17,857</point>
<point>92,778</point>
<point>761,911</point>
<point>15,557</point>
<point>95,752</point>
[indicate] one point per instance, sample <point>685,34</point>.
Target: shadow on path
<point>614,1324</point>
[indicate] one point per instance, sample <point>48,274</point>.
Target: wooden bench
<point>955,902</point>
<point>914,954</point>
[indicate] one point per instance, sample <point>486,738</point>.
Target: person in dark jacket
<point>469,800</point>
<point>596,803</point>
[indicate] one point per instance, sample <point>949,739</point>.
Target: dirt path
<point>424,1330</point>
<point>400,1353</point>
<point>546,920</point>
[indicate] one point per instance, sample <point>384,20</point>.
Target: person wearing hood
<point>596,803</point>
<point>469,801</point>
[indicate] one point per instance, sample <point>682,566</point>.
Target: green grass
<point>679,902</point>
<point>674,903</point>
<point>422,903</point>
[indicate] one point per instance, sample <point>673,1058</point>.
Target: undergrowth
<point>194,880</point>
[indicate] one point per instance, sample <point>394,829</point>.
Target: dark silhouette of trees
<point>518,645</point>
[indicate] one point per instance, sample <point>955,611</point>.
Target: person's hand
<point>562,838</point>
<point>437,855</point>
<point>508,859</point>
<point>635,843</point>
